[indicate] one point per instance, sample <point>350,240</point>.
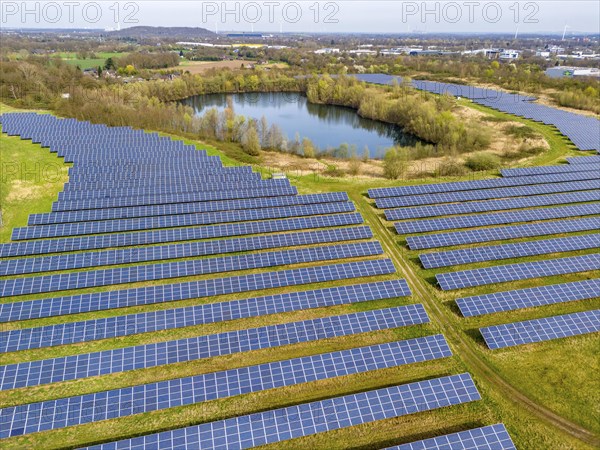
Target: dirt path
<point>465,348</point>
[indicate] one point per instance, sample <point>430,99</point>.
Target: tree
<point>109,64</point>
<point>308,148</point>
<point>251,141</point>
<point>99,71</point>
<point>394,163</point>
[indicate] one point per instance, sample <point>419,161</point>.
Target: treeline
<point>140,60</point>
<point>424,115</point>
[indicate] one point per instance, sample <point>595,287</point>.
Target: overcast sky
<point>324,16</point>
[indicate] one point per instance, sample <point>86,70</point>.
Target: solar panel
<point>486,194</point>
<point>183,220</point>
<point>53,414</point>
<point>507,251</point>
<point>169,198</point>
<point>584,160</point>
<point>491,205</point>
<point>519,271</point>
<point>180,269</point>
<point>227,343</point>
<point>539,330</point>
<point>38,247</point>
<point>311,418</point>
<point>501,233</point>
<point>100,301</point>
<point>183,208</point>
<point>529,298</point>
<point>96,329</point>
<point>526,171</point>
<point>399,191</point>
<point>186,250</point>
<point>493,437</point>
<point>498,218</point>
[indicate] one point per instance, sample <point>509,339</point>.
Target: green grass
<point>89,63</point>
<point>561,374</point>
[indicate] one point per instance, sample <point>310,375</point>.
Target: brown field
<point>200,67</point>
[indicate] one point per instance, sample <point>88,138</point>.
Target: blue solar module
<point>519,271</point>
<point>39,247</point>
<point>311,418</point>
<point>486,194</point>
<point>186,250</point>
<point>527,171</point>
<point>145,223</point>
<point>138,399</point>
<point>507,251</point>
<point>529,298</point>
<point>183,208</point>
<point>180,269</point>
<point>493,437</point>
<point>538,330</point>
<point>453,186</point>
<point>501,233</point>
<point>491,205</point>
<point>96,329</point>
<point>195,289</point>
<point>169,198</point>
<point>498,218</point>
<point>227,343</point>
<point>584,160</point>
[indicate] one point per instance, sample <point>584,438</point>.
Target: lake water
<point>325,125</point>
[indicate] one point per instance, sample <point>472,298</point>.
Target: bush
<point>523,132</point>
<point>482,161</point>
<point>333,171</point>
<point>450,168</point>
<point>394,163</point>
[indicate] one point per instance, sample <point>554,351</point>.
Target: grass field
<point>89,63</point>
<point>561,375</point>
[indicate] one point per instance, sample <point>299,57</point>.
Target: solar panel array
<point>441,215</point>
<point>310,418</point>
<point>519,271</point>
<point>529,298</point>
<point>141,208</point>
<point>82,409</point>
<point>95,329</point>
<point>492,437</point>
<point>86,365</point>
<point>538,330</point>
<point>583,131</point>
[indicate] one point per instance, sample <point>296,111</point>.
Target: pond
<point>326,126</point>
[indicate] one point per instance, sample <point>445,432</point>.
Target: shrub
<point>482,161</point>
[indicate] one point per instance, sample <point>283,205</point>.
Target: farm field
<point>535,390</point>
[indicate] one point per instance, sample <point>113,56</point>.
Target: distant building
<point>327,51</point>
<point>509,55</point>
<point>569,72</point>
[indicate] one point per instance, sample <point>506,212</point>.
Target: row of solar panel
<point>497,218</point>
<point>539,330</point>
<point>176,251</point>
<point>491,183</point>
<point>491,205</point>
<point>310,418</point>
<point>507,251</point>
<point>38,247</point>
<point>529,298</point>
<point>183,220</point>
<point>184,208</point>
<point>527,171</point>
<point>169,198</point>
<point>35,309</point>
<point>70,411</point>
<point>180,269</point>
<point>487,194</point>
<point>34,373</point>
<point>111,327</point>
<point>196,186</point>
<point>519,271</point>
<point>502,233</point>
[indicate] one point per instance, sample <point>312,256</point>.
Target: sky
<point>312,16</point>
